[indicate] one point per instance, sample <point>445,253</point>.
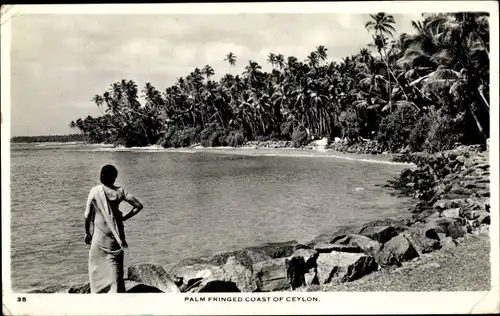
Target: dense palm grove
<point>422,91</point>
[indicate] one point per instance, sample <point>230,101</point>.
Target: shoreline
<point>250,150</point>
<point>299,266</point>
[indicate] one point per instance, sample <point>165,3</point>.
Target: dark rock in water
<point>344,266</point>
<point>152,275</point>
<point>213,286</point>
<point>135,287</point>
<point>241,275</point>
<point>80,289</point>
<point>382,234</point>
<point>423,243</point>
<point>51,289</point>
<point>396,251</point>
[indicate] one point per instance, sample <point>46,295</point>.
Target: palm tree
<point>321,52</point>
<point>271,59</point>
<point>72,125</point>
<point>313,59</point>
<point>382,24</point>
<point>231,59</point>
<point>280,61</point>
<point>208,71</point>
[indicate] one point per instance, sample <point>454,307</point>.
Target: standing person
<point>108,242</point>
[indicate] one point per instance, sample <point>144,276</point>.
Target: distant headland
<point>48,139</point>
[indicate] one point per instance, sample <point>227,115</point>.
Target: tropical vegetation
<point>48,138</point>
<point>423,91</point>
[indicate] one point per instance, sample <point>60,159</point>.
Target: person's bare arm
<point>89,209</point>
<point>137,207</point>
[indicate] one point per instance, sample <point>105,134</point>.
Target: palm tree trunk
<point>483,99</point>
<point>389,88</point>
<point>476,120</point>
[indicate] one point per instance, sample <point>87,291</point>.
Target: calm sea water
<point>196,203</point>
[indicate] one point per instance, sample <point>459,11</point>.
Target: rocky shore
<point>451,192</point>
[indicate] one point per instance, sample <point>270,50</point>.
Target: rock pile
<point>453,185</point>
<point>270,144</point>
<point>361,147</point>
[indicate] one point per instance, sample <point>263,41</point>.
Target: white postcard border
<point>329,302</point>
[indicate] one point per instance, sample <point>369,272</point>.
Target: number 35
<point>21,299</point>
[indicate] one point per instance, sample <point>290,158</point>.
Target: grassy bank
<point>464,268</point>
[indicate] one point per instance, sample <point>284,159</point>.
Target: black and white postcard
<point>250,158</point>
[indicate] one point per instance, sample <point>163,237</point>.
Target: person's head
<point>108,175</point>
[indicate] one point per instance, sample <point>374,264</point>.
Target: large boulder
<point>195,272</point>
<point>450,226</point>
<point>309,270</point>
<point>329,237</point>
<point>240,275</point>
<point>447,204</point>
<point>356,243</point>
<point>423,214</point>
<point>451,213</point>
<point>51,289</point>
<point>136,287</point>
<point>275,250</point>
<point>344,266</point>
<point>284,273</point>
<point>250,255</point>
<point>295,271</point>
<point>271,275</point>
<point>382,234</point>
<point>447,243</point>
<point>422,241</point>
<point>309,255</point>
<point>213,286</point>
<point>324,247</point>
<point>83,288</point>
<point>479,218</point>
<point>152,275</point>
<point>396,251</point>
<point>244,256</point>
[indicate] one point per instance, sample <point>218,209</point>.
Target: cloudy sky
<point>59,62</point>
